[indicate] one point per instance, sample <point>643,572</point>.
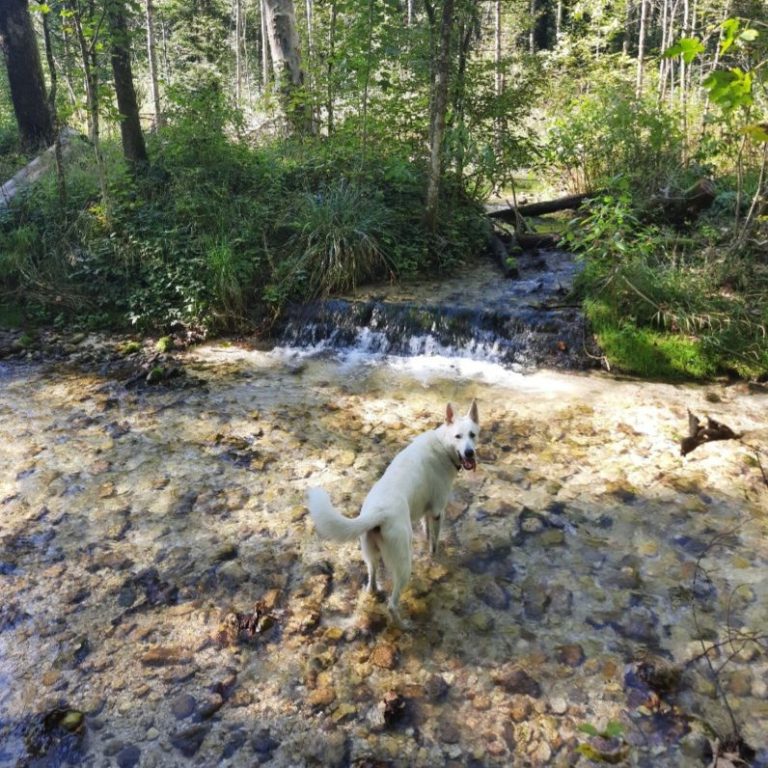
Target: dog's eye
<point>472,435</point>
<point>458,437</point>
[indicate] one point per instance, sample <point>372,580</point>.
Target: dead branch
<point>699,434</point>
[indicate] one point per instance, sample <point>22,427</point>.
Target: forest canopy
<point>210,161</point>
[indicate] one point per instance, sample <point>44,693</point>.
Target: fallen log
<point>570,202</point>
<point>529,241</point>
<point>501,255</point>
<point>34,169</point>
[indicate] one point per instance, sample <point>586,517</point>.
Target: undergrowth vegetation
<point>668,296</point>
<point>220,235</point>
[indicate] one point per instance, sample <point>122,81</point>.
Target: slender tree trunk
<point>367,81</point>
<point>497,52</point>
<point>439,111</point>
<point>154,80</point>
<point>25,74</point>
<point>91,77</point>
<point>239,53</point>
<point>265,63</point>
<point>166,57</point>
<point>61,183</point>
<point>558,19</point>
<point>532,32</point>
<point>628,13</point>
<point>330,92</point>
<point>134,149</point>
<point>641,48</point>
<point>664,46</point>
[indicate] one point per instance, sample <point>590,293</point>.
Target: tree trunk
<point>90,71</point>
<point>152,61</point>
<point>641,48</point>
<point>61,183</point>
<point>438,117</point>
<point>570,202</point>
<point>498,128</point>
<point>239,53</point>
<point>134,149</point>
<point>532,32</point>
<point>25,74</point>
<point>264,46</point>
<point>331,60</point>
<point>283,38</point>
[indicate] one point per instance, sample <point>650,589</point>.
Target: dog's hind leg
<point>369,543</point>
<point>396,552</point>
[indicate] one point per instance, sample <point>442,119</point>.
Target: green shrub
<point>336,238</point>
<point>609,134</point>
<point>660,306</point>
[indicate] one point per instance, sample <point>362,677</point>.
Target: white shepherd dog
<point>415,485</point>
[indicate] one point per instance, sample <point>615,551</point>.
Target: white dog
<point>415,485</point>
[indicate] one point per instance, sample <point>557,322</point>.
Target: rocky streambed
<point>165,601</point>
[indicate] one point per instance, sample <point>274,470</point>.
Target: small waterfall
<point>523,323</point>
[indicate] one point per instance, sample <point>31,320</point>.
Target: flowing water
<point>165,601</point>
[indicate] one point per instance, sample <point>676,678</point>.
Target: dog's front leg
<point>434,523</point>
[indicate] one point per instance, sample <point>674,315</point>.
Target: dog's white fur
<point>415,485</point>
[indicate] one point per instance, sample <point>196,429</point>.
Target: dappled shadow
<point>573,554</point>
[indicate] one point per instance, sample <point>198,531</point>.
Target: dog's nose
<point>469,453</point>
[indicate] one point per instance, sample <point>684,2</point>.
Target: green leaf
<point>756,131</point>
<point>729,89</point>
<point>749,35</point>
<point>589,728</point>
<point>687,47</point>
<point>613,730</point>
<point>730,28</point>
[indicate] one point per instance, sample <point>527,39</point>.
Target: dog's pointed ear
<point>449,414</point>
<point>473,412</point>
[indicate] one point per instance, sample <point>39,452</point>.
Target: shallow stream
<point>165,600</point>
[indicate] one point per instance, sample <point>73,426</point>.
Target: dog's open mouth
<point>467,463</point>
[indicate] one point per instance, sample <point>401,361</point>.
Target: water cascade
<point>524,323</point>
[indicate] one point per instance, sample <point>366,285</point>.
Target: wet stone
<point>183,706</point>
<point>536,600</point>
<point>436,688</point>
<point>189,740</point>
<point>234,743</point>
<point>572,654</point>
<point>514,679</point>
<point>448,732</point>
<point>321,697</point>
<point>165,655</point>
<point>493,595</point>
<point>128,757</point>
<point>384,656</point>
<point>264,745</point>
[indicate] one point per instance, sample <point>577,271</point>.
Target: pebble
<point>321,697</point>
<point>384,656</point>
<point>571,654</point>
<point>165,655</point>
<point>189,740</point>
<point>558,705</point>
<point>128,757</point>
<point>514,679</point>
<point>183,706</point>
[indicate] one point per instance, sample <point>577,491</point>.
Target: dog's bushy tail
<point>329,522</point>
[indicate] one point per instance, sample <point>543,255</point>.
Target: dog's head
<point>461,434</point>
